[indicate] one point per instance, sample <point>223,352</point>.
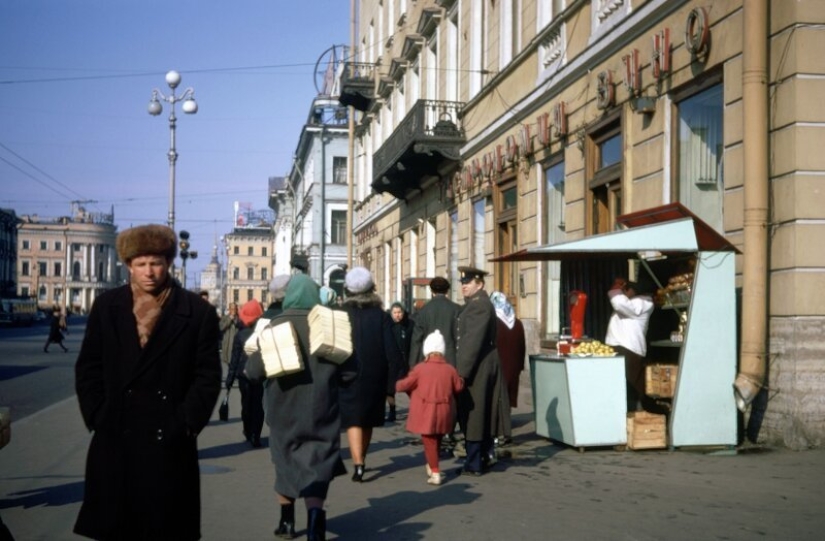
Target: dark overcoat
<point>512,349</point>
<point>439,313</point>
<point>477,362</point>
<point>303,416</point>
<point>145,408</point>
<point>375,355</point>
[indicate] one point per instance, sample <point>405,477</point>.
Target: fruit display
<point>593,348</point>
<point>677,290</point>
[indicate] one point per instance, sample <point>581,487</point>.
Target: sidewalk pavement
<point>542,490</point>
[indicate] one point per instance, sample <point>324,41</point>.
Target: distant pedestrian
<point>402,327</point>
<point>512,348</point>
<point>277,292</point>
<point>56,332</point>
<point>304,421</point>
<point>229,326</point>
<point>252,390</point>
<point>375,352</point>
<point>432,385</point>
<point>147,379</point>
<point>328,296</point>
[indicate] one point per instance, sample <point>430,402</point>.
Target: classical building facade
<point>211,281</point>
<point>311,202</point>
<point>67,261</point>
<point>250,262</point>
<point>8,253</point>
<point>491,126</point>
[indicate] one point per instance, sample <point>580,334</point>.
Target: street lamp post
<point>189,107</point>
<point>185,253</point>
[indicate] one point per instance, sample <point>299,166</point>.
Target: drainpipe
<point>753,357</point>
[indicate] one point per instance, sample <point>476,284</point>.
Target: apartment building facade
<point>250,262</point>
<point>67,261</point>
<point>488,127</point>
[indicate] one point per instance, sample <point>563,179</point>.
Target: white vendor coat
<point>628,324</point>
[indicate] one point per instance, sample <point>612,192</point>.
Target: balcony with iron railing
<point>426,143</point>
<point>358,85</point>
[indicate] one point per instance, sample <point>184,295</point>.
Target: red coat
<point>432,386</point>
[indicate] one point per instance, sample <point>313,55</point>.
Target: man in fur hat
<point>147,379</point>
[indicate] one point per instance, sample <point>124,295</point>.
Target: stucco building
<point>488,127</point>
<point>67,261</point>
<point>250,262</point>
<point>8,253</point>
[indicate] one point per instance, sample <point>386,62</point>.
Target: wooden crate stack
<point>646,430</point>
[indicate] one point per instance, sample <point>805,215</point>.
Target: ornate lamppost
<point>190,107</point>
<point>185,253</point>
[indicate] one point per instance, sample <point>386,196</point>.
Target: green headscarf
<point>302,293</point>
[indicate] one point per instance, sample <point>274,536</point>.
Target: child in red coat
<point>432,386</point>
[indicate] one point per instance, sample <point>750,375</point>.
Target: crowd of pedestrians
<point>149,374</point>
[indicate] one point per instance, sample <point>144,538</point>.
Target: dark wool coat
<point>439,313</point>
<point>375,355</point>
<point>511,352</point>
<point>402,331</point>
<point>432,386</point>
<point>303,415</point>
<point>477,362</point>
<point>145,407</point>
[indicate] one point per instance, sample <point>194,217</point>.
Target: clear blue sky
<point>76,77</point>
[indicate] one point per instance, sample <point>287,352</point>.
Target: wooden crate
<point>660,380</point>
<point>646,430</point>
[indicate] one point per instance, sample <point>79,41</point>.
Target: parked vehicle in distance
<point>18,311</point>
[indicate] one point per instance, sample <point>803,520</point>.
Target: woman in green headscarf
<point>304,421</point>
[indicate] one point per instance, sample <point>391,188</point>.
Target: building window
<point>265,297</point>
<point>58,245</point>
<point>76,270</point>
<point>479,255</point>
<point>339,169</point>
<point>42,268</point>
<point>24,291</point>
<point>24,268</point>
<point>236,296</point>
<point>338,227</point>
<point>507,239</point>
<point>250,295</point>
<point>75,247</point>
<point>250,273</point>
<point>57,295</point>
<point>701,150</point>
<point>263,251</point>
<point>41,294</point>
<point>453,260</point>
<point>264,274</point>
<point>554,232</point>
<point>236,250</point>
<point>236,273</point>
<point>250,250</point>
<point>26,245</point>
<point>604,168</point>
<point>44,245</point>
<point>58,268</point>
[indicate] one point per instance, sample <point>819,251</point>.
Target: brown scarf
<point>147,308</point>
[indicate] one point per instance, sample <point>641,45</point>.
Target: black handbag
<point>223,410</point>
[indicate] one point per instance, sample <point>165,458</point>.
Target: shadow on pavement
<point>15,371</point>
<point>231,449</point>
<point>56,495</point>
<point>384,517</point>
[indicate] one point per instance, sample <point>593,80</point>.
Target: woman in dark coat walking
<point>147,379</point>
<point>252,391</point>
<point>56,327</point>
<point>375,353</point>
<point>304,419</point>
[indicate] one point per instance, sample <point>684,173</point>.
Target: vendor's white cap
<point>434,343</point>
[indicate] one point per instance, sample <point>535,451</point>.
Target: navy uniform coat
<point>145,407</point>
<point>477,362</point>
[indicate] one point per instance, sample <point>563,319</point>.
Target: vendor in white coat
<point>626,333</point>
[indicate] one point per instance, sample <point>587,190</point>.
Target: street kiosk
<point>693,329</point>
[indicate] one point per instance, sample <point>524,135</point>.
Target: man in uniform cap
<point>477,362</point>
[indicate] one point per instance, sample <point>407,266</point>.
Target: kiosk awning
<point>668,229</point>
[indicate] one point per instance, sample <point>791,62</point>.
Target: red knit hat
<point>250,312</point>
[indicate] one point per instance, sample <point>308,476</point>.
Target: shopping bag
<point>223,410</point>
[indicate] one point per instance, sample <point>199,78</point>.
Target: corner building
<point>491,126</point>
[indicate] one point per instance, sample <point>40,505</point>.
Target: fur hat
<point>439,285</point>
<point>358,280</point>
<point>250,312</point>
<point>152,239</point>
<point>277,287</point>
<point>434,343</point>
